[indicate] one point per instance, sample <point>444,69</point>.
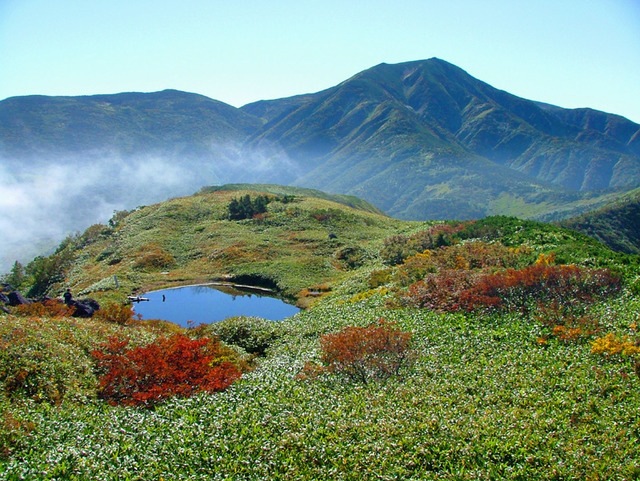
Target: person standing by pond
<point>68,297</point>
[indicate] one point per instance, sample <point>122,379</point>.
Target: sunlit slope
<point>300,242</point>
<point>616,225</point>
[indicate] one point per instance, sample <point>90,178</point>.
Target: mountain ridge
<point>419,140</point>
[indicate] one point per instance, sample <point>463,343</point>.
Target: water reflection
<point>211,303</point>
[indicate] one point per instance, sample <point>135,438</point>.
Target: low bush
<point>117,313</point>
<point>564,324</point>
<point>351,257</point>
<point>173,366</point>
<point>364,354</point>
<point>379,277</point>
<point>399,247</point>
<point>453,290</point>
<point>476,255</point>
<point>43,363</point>
<point>253,334</point>
<point>613,345</point>
<point>152,256</point>
<point>50,308</point>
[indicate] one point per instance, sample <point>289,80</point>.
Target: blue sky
<point>570,53</point>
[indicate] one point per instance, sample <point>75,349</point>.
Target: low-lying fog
<point>41,202</point>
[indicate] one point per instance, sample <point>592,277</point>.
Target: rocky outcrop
<point>17,299</point>
<point>84,308</point>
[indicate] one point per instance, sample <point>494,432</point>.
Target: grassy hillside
<point>522,364</point>
<point>616,225</point>
<point>301,242</point>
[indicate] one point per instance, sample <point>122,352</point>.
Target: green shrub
<point>379,277</point>
<point>43,365</point>
<point>253,334</point>
<point>351,257</point>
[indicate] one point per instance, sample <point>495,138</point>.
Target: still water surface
<point>194,305</point>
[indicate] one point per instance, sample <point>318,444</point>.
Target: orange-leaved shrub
<point>170,366</point>
<point>564,324</point>
<point>50,308</point>
<point>620,347</point>
<point>616,345</point>
<point>565,284</point>
<point>453,290</point>
<point>363,354</point>
<point>152,256</point>
<point>477,255</point>
<point>121,314</point>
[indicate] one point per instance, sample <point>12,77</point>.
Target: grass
<point>484,400</point>
<point>490,394</point>
<point>290,246</point>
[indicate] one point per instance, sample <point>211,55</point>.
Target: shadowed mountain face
<point>617,225</point>
<point>435,116</point>
<point>419,140</point>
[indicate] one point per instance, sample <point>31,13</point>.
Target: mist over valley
<point>419,140</point>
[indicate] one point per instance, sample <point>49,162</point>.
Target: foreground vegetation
<point>486,383</point>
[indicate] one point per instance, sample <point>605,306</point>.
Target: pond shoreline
<point>215,283</point>
<point>208,302</point>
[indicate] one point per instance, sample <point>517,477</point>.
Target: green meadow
<point>523,361</point>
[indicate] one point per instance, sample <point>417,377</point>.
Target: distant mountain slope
<point>616,225</point>
<point>130,122</point>
<point>419,140</point>
<point>454,143</point>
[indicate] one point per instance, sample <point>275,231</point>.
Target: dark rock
<point>4,287</point>
<point>17,299</point>
<point>3,298</point>
<point>92,303</point>
<point>81,309</point>
<point>5,310</point>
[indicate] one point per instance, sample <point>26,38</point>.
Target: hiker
<point>68,297</point>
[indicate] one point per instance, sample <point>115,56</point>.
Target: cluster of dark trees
<point>247,208</point>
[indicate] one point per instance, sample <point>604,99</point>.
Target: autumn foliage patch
<point>51,308</point>
<point>117,313</point>
<point>364,353</point>
<point>173,366</point>
<point>454,290</point>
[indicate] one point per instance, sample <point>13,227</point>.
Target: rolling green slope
<point>616,225</point>
<point>301,242</point>
<point>538,378</point>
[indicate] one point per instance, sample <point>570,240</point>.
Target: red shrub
<point>174,366</point>
<point>546,283</point>
<point>453,290</point>
<point>363,353</point>
<point>441,291</point>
